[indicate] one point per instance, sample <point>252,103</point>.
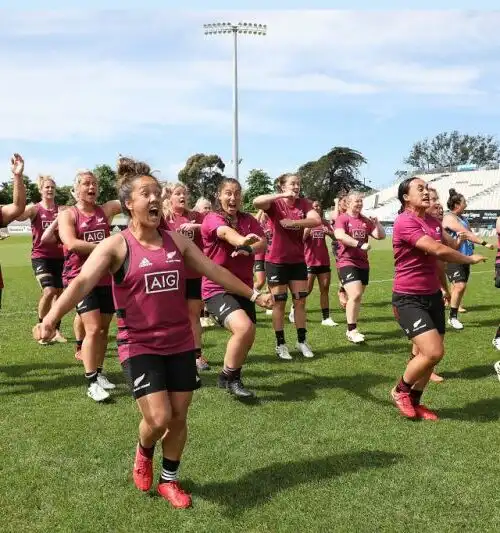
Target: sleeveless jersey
<point>467,247</point>
<point>94,229</point>
<point>175,223</point>
<point>41,221</point>
<point>150,301</point>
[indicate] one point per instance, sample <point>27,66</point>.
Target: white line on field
<point>18,313</point>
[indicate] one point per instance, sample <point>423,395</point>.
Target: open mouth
<point>153,211</point>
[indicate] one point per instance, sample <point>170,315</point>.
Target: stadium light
<point>246,28</point>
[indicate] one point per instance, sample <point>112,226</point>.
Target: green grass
<point>323,451</point>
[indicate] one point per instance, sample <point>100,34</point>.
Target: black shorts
<point>283,273</point>
<point>457,273</point>
<point>318,269</point>
<point>223,304</point>
<point>193,289</point>
<point>417,314</point>
<point>259,265</point>
<point>99,298</point>
<point>348,274</point>
<point>50,269</point>
<point>497,276</point>
<point>154,373</point>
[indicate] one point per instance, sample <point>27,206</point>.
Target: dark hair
<point>223,182</point>
<point>454,199</point>
<point>403,189</point>
<point>127,171</point>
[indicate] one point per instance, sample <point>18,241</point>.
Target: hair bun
<point>127,166</point>
<point>452,192</point>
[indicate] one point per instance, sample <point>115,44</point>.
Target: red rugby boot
<point>143,471</point>
<point>403,403</point>
<point>173,493</point>
<point>425,414</point>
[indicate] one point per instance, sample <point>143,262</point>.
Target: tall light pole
<point>248,28</point>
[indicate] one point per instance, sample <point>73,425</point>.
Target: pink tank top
<point>94,229</point>
<point>150,300</point>
<point>43,219</point>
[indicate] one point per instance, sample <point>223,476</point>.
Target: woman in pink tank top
<point>10,212</point>
<point>179,218</point>
<point>156,346</point>
<point>417,299</point>
<point>47,257</point>
<point>81,228</point>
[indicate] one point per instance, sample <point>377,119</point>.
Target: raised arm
<point>378,232</point>
<point>311,220</point>
<point>12,211</point>
<point>68,236</point>
<point>452,223</point>
<point>112,208</point>
<point>29,213</point>
<point>195,259</point>
<point>264,201</point>
<point>444,253</point>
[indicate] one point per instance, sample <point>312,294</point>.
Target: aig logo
<point>359,233</point>
<point>318,234</point>
<point>162,281</point>
<point>96,235</point>
<point>188,233</point>
<point>45,224</point>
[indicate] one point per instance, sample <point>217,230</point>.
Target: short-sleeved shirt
<point>287,244</point>
<point>416,272</point>
<point>359,228</point>
<point>315,249</point>
<point>219,250</point>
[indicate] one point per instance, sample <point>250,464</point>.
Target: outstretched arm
<point>14,210</point>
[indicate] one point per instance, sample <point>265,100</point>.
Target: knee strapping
<point>281,297</point>
<point>301,295</point>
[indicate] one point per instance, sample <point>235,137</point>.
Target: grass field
<point>324,450</point>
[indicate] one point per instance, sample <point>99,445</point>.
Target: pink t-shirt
<point>219,251</point>
<point>266,227</point>
<point>358,228</point>
<point>315,249</point>
<point>287,245</point>
<point>415,271</point>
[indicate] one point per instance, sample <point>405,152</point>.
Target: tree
<point>32,193</point>
<point>258,182</point>
<point>335,172</point>
<point>64,196</point>
<point>450,149</point>
<point>202,175</point>
<point>107,183</point>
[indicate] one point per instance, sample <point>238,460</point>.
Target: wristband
<point>245,248</point>
<point>255,295</point>
<point>360,244</point>
<point>484,243</point>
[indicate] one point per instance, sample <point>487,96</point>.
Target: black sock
<point>58,326</point>
<point>40,320</point>
<point>79,344</point>
<point>351,327</point>
<point>99,369</point>
<point>415,396</point>
<point>169,470</point>
<point>231,374</point>
<point>453,312</point>
<point>197,351</point>
<point>301,334</point>
<point>402,386</point>
<point>280,337</point>
<point>497,333</point>
<point>91,377</point>
<point>147,452</point>
<point>325,312</point>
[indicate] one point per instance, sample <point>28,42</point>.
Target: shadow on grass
<point>258,487</point>
<point>472,372</point>
<point>487,410</point>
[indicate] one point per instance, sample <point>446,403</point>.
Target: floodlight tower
<point>247,28</point>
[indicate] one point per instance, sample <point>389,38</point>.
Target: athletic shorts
<point>193,289</point>
<point>50,269</point>
<point>223,304</point>
<point>154,373</point>
<point>99,298</point>
<point>283,273</point>
<point>318,269</point>
<point>259,265</point>
<point>497,276</point>
<point>417,314</point>
<point>457,273</point>
<point>348,274</point>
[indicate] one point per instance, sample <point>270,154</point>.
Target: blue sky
<point>81,86</point>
